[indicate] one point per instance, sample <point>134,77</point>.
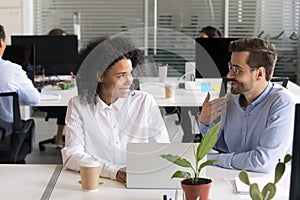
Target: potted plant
<point>193,185</point>
<point>269,189</point>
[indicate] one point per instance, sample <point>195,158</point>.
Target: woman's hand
<point>121,176</point>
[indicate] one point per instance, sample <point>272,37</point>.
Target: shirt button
<point>244,133</point>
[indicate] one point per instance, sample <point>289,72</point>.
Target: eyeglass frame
<point>238,68</point>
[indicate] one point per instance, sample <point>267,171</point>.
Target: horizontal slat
<point>247,18</point>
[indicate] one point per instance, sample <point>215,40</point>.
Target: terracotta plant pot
<point>192,192</point>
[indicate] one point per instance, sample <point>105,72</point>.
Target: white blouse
<point>103,131</point>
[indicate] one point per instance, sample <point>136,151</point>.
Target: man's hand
<point>211,110</point>
<point>121,176</point>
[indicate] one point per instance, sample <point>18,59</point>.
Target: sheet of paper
<point>50,97</point>
<point>242,190</point>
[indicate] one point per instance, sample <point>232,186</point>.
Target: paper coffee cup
<point>170,90</point>
<point>162,72</point>
<point>89,172</point>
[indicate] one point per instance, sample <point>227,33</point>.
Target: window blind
<point>274,20</point>
<point>97,17</point>
<point>186,19</point>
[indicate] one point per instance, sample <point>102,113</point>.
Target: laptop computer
<point>147,170</point>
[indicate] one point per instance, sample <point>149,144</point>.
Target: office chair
<point>281,80</point>
<point>17,137</point>
<point>52,112</point>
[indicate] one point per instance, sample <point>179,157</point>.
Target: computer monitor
<point>212,57</point>
<point>23,55</point>
<point>57,55</point>
<point>295,172</point>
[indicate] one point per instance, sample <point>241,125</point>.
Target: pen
<point>176,194</point>
<point>165,197</point>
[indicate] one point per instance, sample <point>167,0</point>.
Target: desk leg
<point>187,123</point>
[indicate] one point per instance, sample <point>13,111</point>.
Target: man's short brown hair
<point>2,32</point>
<point>262,53</point>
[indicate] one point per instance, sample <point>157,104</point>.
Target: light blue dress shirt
<point>14,79</point>
<point>255,137</point>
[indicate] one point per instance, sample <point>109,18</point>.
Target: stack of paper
<point>50,97</point>
<point>242,188</point>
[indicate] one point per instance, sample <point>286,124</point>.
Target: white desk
<point>30,182</point>
<point>184,98</point>
<point>24,181</point>
<point>65,95</point>
<point>188,100</point>
<point>191,98</point>
<point>67,187</point>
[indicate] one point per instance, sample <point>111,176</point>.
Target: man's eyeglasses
<point>237,69</point>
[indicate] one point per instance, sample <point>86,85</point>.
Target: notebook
<point>146,169</point>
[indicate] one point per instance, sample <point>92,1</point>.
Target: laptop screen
<point>295,173</point>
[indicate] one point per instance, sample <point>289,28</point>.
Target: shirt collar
<point>118,104</point>
<point>261,96</point>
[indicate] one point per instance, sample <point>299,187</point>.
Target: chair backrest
<point>17,124</point>
<point>15,143</point>
<point>281,80</point>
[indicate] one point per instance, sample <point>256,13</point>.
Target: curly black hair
<point>99,56</point>
<point>115,48</point>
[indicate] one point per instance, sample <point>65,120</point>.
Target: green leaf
<point>100,182</point>
<point>254,192</point>
<point>279,170</point>
<point>177,160</point>
<point>181,174</point>
<point>207,142</point>
<point>287,158</point>
<point>208,162</point>
<point>244,177</point>
<point>269,191</point>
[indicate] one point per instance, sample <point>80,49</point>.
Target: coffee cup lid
<point>89,162</point>
<point>170,83</point>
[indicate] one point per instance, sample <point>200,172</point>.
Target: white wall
<point>17,17</point>
<point>28,17</point>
